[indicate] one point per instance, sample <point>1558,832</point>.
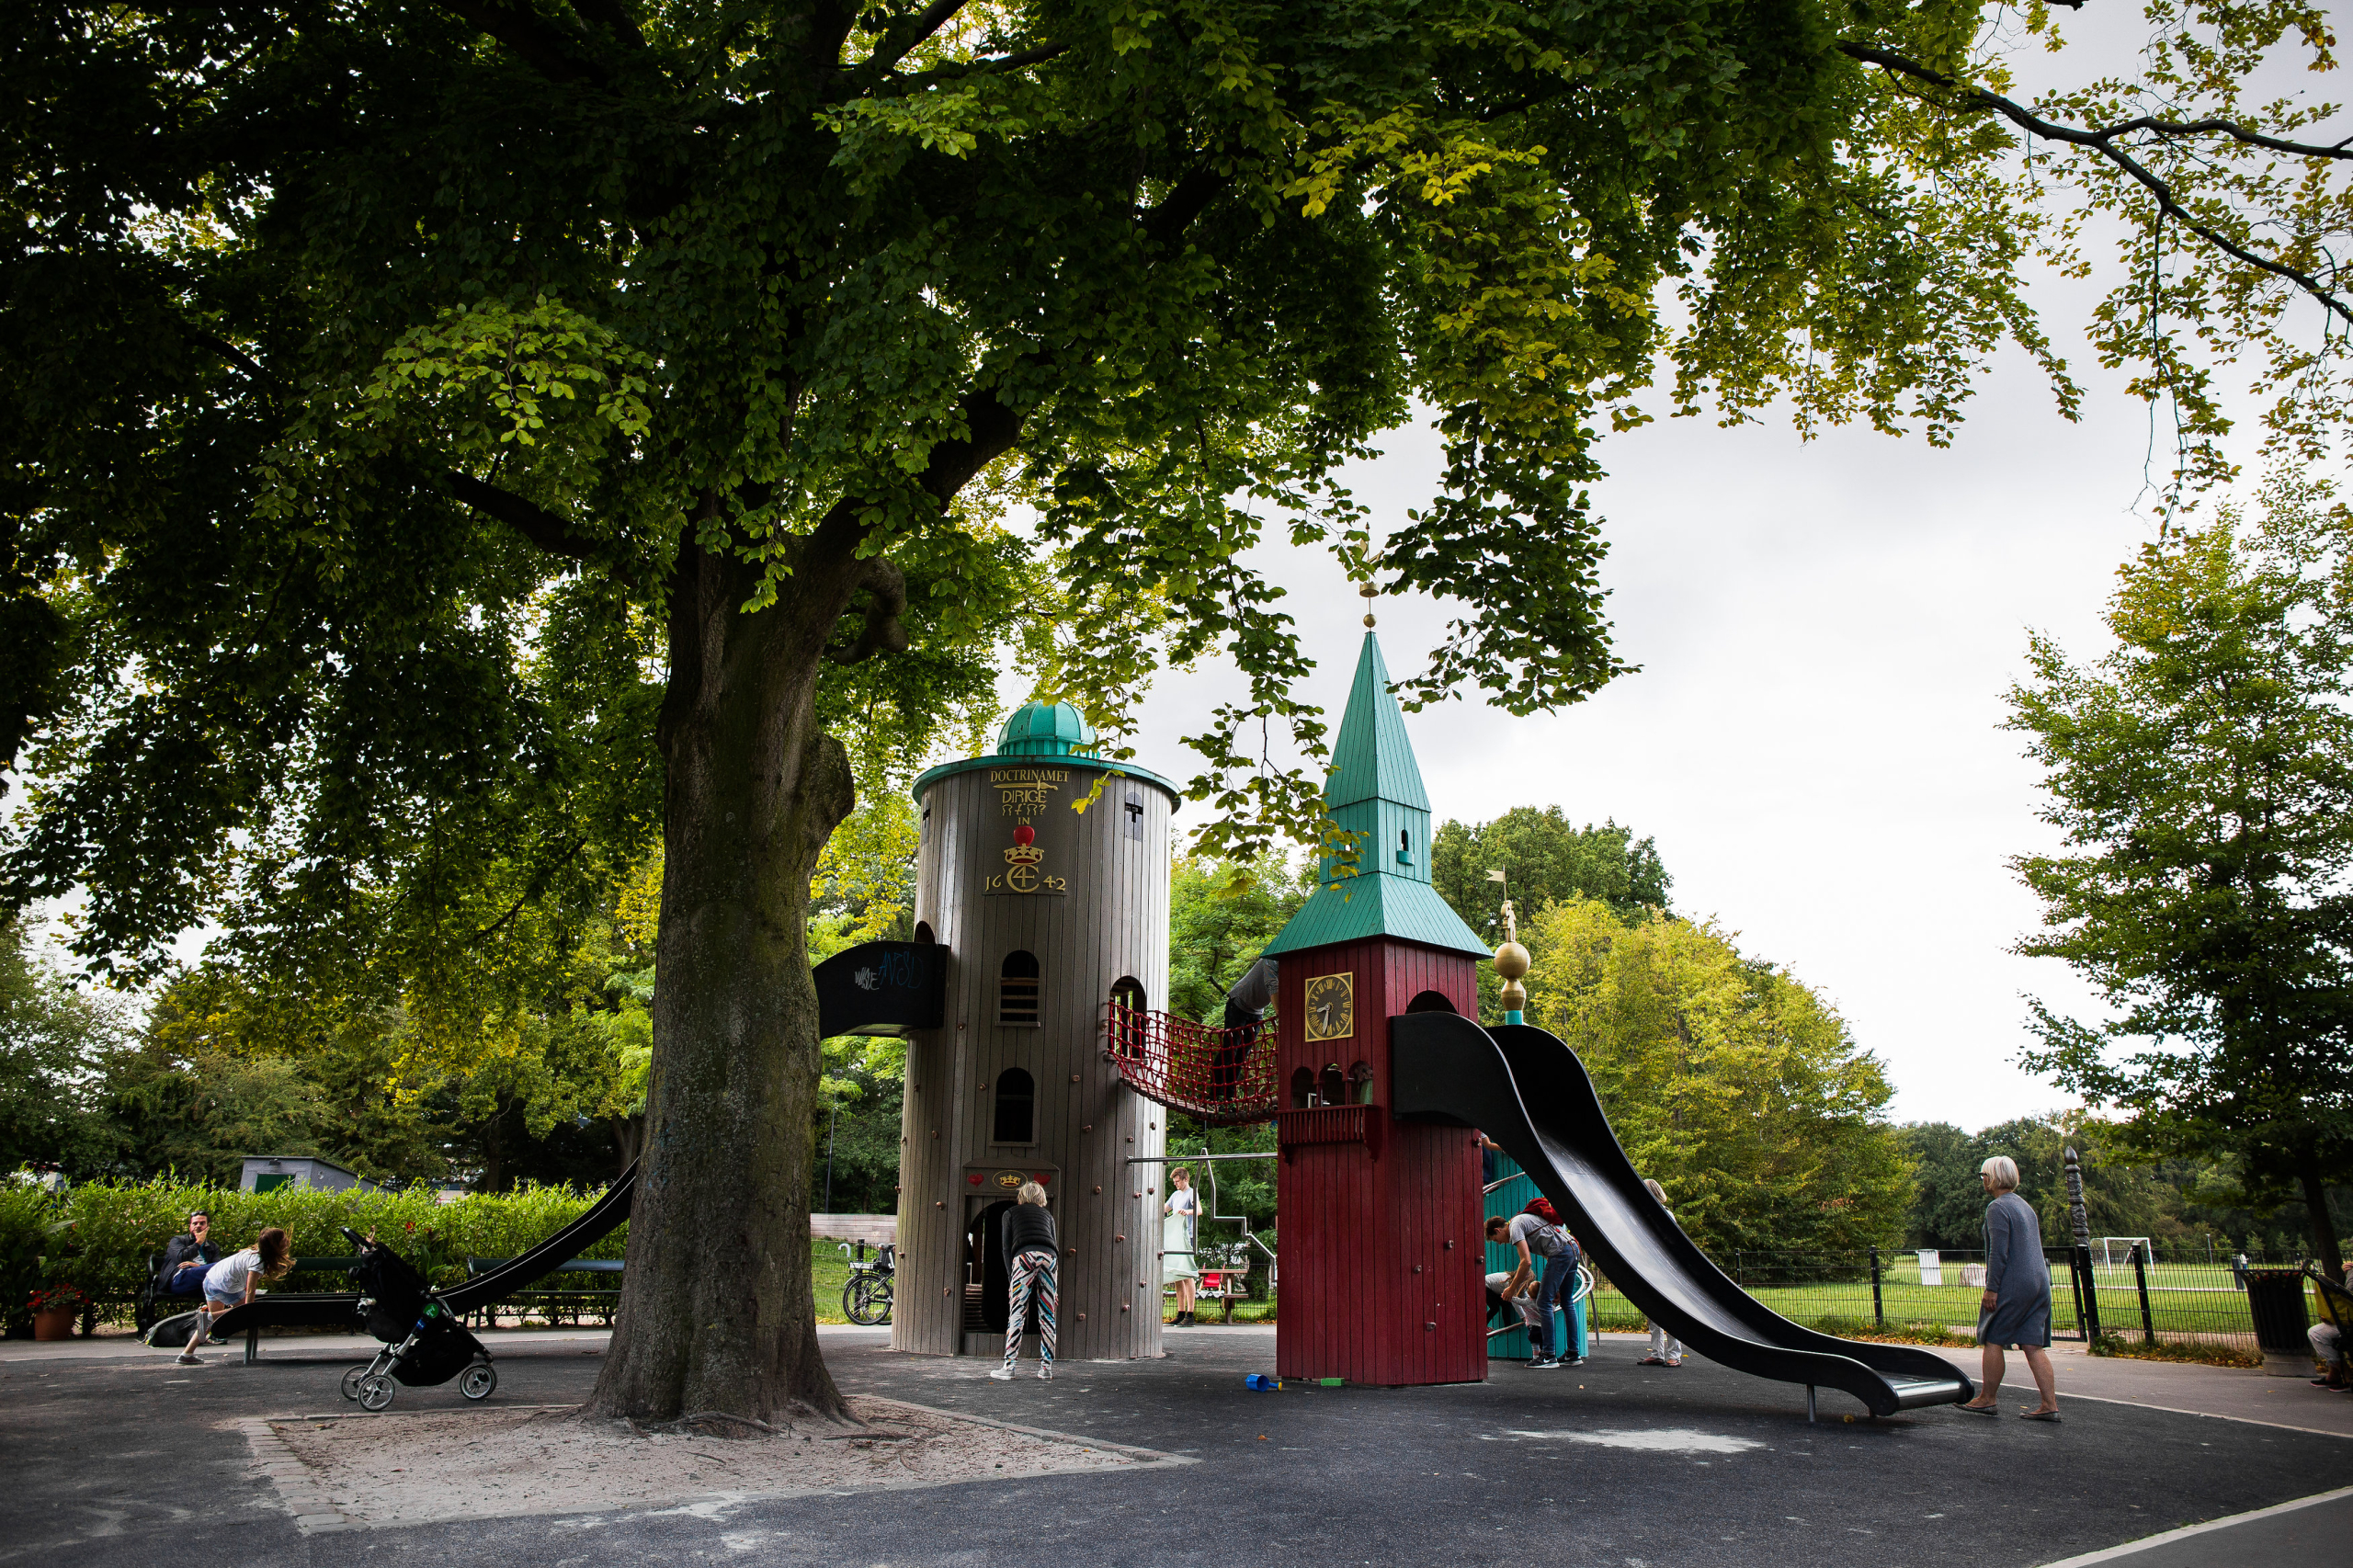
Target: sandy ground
<point>356,1470</point>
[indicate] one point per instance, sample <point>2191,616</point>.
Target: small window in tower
<point>1331,1086</point>
<point>1129,1026</point>
<point>1361,1084</point>
<point>1017,989</point>
<point>1302,1089</point>
<point>1135,814</point>
<point>923,934</point>
<point>1017,1107</point>
<point>1404,847</point>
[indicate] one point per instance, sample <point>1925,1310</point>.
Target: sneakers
<point>1001,1374</point>
<point>1046,1374</point>
<point>191,1359</point>
<point>1542,1363</point>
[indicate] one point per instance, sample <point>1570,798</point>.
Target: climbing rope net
<point>1223,1076</point>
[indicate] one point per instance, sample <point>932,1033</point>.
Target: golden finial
<point>1367,590</point>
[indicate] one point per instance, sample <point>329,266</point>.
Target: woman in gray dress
<point>2015,1308</point>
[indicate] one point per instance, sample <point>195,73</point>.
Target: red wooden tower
<point>1382,1258</point>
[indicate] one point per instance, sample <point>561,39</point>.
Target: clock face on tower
<point>1331,1006</point>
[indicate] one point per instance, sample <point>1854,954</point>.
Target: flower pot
<point>58,1324</point>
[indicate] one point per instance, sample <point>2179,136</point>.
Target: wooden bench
<point>601,1299</point>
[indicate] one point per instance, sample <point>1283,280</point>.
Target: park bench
<point>151,1305</point>
<point>273,1307</point>
<point>1224,1285</point>
<point>601,1298</point>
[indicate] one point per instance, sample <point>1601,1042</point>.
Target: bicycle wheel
<point>857,1300</point>
<point>375,1393</point>
<point>478,1380</point>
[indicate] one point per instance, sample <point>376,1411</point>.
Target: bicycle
<point>866,1299</point>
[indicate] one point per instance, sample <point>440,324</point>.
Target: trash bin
<point>2275,1297</point>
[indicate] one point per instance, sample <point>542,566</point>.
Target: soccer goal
<point>2116,1251</point>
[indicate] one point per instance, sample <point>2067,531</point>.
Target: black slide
<point>516,1274</point>
<point>1528,1091</point>
<point>289,1310</point>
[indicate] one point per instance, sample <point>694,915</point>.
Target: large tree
<point>2200,772</point>
<point>368,364</point>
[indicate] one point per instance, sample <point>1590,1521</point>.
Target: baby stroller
<point>423,1342</point>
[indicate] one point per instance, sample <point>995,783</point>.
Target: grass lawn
<point>2192,1298</point>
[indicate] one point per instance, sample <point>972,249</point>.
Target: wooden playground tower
<point>1382,1256</point>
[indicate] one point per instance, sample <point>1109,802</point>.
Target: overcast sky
<point>1825,632</point>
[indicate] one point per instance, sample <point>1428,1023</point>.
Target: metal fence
<point>2135,1295</point>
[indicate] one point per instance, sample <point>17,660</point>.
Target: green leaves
<point>487,375</point>
<point>2201,772</point>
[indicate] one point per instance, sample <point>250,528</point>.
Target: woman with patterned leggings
<point>1030,1251</point>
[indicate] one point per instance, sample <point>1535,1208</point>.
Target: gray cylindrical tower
<point>1045,912</point>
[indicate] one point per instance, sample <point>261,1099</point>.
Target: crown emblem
<point>1025,850</point>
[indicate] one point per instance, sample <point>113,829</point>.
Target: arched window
<point>1302,1089</point>
<point>1128,1023</point>
<point>1405,847</point>
<point>1361,1084</point>
<point>1017,1107</point>
<point>1430,1002</point>
<point>1331,1086</point>
<point>1017,989</point>
<point>923,935</point>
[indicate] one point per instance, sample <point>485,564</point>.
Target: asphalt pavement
<point>123,1457</point>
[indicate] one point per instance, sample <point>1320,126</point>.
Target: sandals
<point>2051,1416</point>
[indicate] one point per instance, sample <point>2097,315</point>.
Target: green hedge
<point>100,1234</point>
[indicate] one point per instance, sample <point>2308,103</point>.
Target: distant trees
<point>1547,858</point>
<point>2175,1200</point>
<point>1725,1078</point>
<point>55,1043</point>
<point>2201,772</point>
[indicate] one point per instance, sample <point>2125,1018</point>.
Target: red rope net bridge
<point>1225,1077</point>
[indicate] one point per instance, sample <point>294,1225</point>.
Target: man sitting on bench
<point>186,1257</point>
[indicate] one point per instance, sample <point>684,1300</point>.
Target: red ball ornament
<point>1024,834</point>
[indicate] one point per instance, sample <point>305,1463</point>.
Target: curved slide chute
<point>1528,1091</point>
<point>341,1310</point>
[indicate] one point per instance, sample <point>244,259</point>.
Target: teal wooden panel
<point>1518,1191</point>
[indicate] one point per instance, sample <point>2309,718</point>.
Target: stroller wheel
<point>478,1382</point>
<point>351,1381</point>
<point>375,1391</point>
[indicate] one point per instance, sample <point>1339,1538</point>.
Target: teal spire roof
<point>1375,793</point>
<point>1039,729</point>
<point>1372,760</point>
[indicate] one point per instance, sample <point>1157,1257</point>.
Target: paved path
<point>124,1458</point>
<point>2171,1385</point>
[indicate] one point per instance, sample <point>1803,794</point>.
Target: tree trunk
<point>2324,1229</point>
<point>717,1312</point>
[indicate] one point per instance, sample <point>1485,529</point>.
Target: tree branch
<point>2103,141</point>
<point>882,633</point>
<point>613,16</point>
<point>229,351</point>
<point>898,42</point>
<point>533,521</point>
<point>1167,223</point>
<point>542,48</point>
<point>965,70</point>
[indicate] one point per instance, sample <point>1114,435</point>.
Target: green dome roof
<point>1038,729</point>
